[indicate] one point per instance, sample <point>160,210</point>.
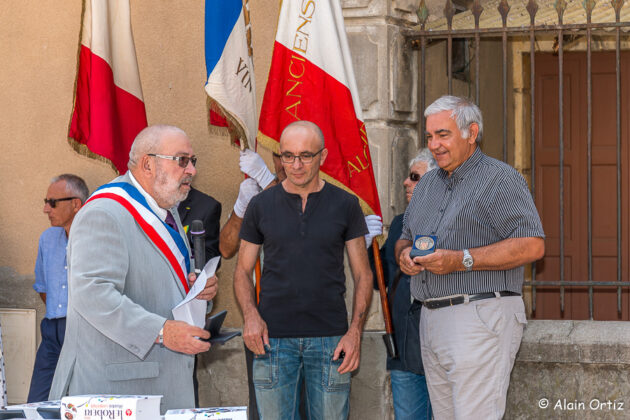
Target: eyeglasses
<point>414,177</point>
<point>305,157</point>
<point>182,161</point>
<point>52,202</point>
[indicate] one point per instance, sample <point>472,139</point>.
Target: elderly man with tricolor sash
<point>129,265</point>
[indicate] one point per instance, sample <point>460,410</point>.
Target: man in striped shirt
<point>487,229</point>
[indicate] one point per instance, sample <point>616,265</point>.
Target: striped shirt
<point>483,202</point>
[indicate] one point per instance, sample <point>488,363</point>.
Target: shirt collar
<point>464,169</point>
<point>159,211</point>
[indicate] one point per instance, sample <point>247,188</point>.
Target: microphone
<point>198,234</point>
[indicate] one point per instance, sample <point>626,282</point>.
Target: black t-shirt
<point>303,282</point>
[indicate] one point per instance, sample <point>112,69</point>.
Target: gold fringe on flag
<point>234,127</point>
<point>79,147</point>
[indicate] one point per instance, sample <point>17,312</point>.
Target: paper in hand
<point>191,310</point>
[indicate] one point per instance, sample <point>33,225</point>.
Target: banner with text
<point>230,70</point>
<point>311,78</point>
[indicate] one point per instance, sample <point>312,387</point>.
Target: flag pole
<point>388,337</point>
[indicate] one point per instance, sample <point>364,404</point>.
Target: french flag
<point>230,70</point>
<point>311,78</point>
<point>108,106</point>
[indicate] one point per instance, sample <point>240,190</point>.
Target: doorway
<point>575,196</point>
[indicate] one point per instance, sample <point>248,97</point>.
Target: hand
<point>208,292</point>
<point>442,261</point>
<point>255,334</point>
<point>180,336</point>
<point>375,227</point>
<point>254,166</point>
<point>248,189</point>
<point>408,266</point>
<point>350,344</point>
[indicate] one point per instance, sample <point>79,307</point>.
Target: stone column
<point>386,71</point>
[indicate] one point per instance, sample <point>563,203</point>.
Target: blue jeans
<point>279,373</point>
<point>411,396</point>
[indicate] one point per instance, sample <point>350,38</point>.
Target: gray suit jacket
<point>121,290</point>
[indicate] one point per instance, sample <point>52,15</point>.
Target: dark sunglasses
<point>182,161</point>
<point>52,202</point>
<point>414,177</point>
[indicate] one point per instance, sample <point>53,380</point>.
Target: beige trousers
<point>468,351</point>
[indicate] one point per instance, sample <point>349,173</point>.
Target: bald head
<point>150,140</point>
<point>303,127</point>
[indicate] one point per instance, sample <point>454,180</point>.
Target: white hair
<point>464,112</point>
<point>424,155</point>
<point>149,140</point>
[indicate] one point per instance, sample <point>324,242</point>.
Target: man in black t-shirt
<point>299,331</point>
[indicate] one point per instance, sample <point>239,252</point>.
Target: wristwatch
<point>161,336</point>
<point>468,260</point>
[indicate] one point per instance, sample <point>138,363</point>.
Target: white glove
<point>254,166</point>
<point>375,227</point>
<point>248,189</point>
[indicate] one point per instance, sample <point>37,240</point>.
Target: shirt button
<point>63,286</point>
<point>65,267</point>
<point>60,306</point>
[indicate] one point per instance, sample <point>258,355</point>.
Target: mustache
<point>186,180</point>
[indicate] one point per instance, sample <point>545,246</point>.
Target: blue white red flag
<point>230,69</point>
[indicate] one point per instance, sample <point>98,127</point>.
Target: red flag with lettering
<point>311,78</point>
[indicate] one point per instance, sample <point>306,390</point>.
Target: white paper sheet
<point>191,310</point>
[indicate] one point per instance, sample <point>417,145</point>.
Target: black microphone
<point>198,234</point>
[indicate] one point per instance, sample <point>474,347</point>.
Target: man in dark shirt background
<point>301,322</point>
<point>200,206</point>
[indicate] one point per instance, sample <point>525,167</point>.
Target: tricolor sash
<point>165,238</point>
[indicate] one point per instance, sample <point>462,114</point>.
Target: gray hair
<point>149,140</point>
<point>424,155</point>
<point>74,185</point>
<point>464,112</point>
<point>308,125</point>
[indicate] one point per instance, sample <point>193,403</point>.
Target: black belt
<point>442,303</point>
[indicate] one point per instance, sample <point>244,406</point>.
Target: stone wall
<point>386,73</point>
<point>572,369</point>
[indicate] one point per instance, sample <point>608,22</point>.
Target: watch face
<point>468,260</point>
